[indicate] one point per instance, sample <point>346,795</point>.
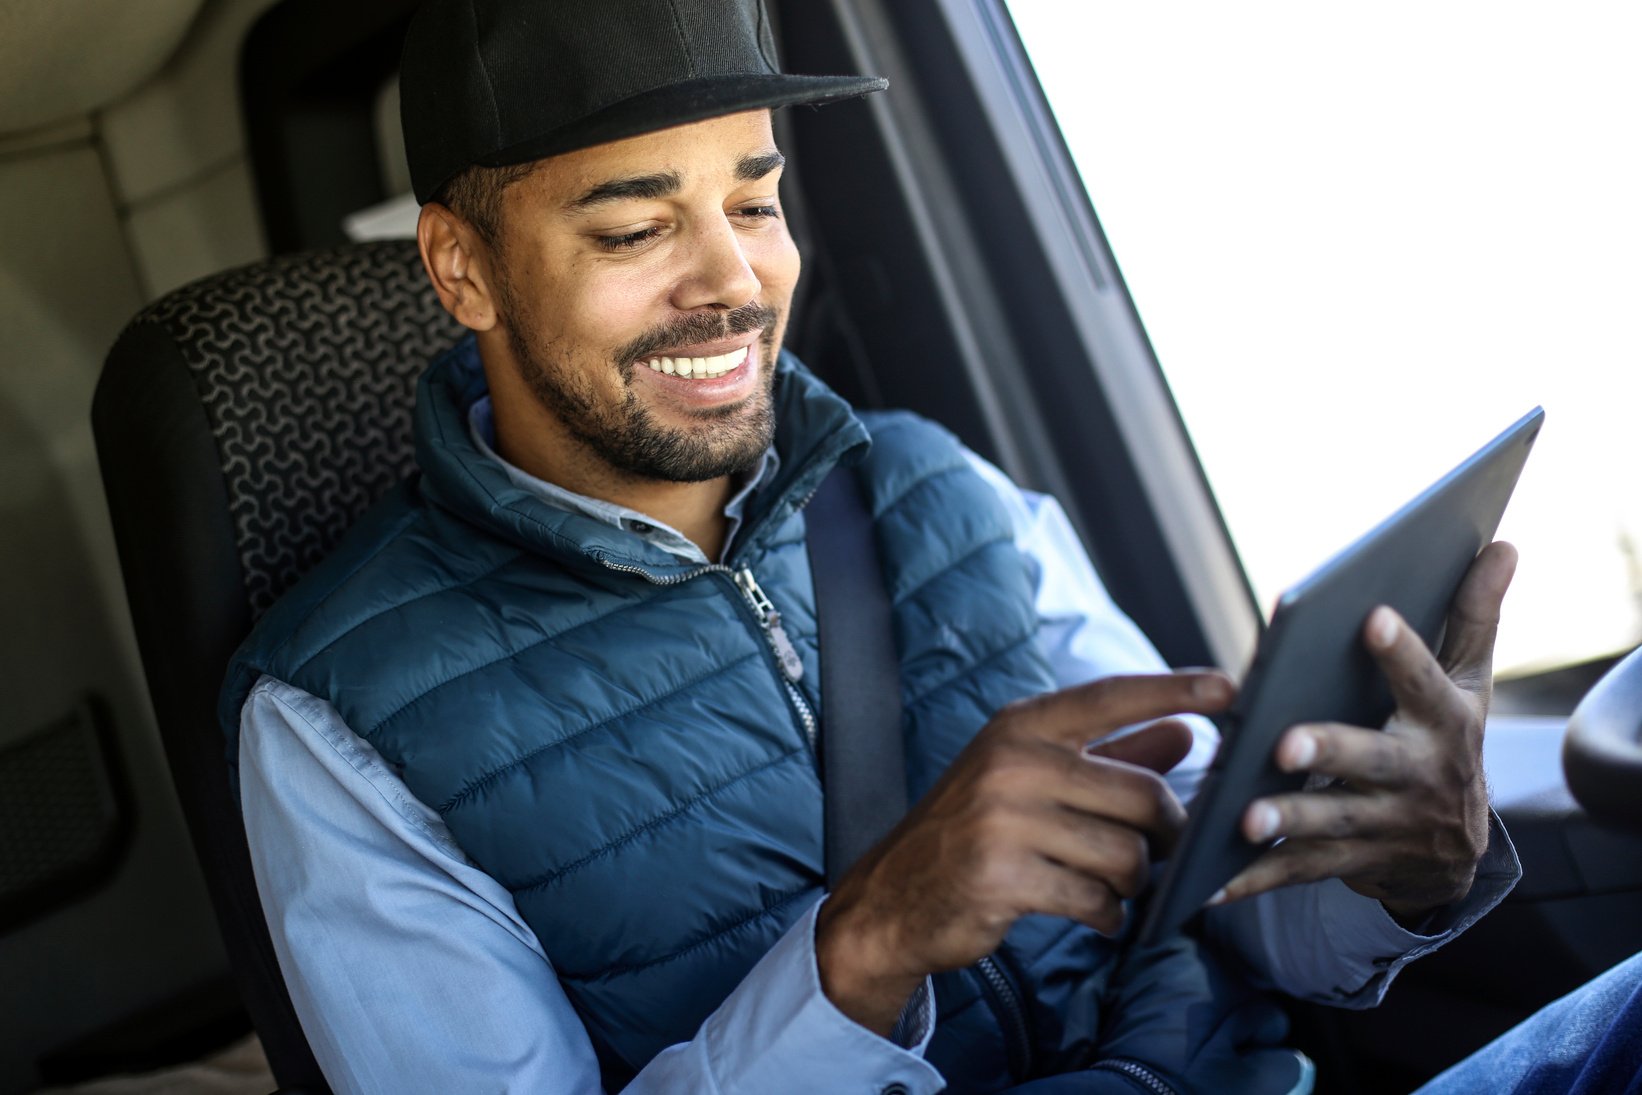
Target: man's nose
<point>718,272</point>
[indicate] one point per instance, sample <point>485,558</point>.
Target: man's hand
<point>1027,819</point>
<point>1410,821</point>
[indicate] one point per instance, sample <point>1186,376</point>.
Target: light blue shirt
<point>413,972</point>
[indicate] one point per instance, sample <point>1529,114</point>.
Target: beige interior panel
<point>67,286</point>
<point>390,139</point>
<point>60,58</point>
<point>73,131</point>
<point>186,121</point>
<point>204,227</point>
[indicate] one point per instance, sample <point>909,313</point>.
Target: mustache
<point>699,327</point>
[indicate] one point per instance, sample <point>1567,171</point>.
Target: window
<point>1363,240</point>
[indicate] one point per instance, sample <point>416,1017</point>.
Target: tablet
<point>1311,664</point>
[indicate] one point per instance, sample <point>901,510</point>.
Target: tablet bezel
<point>1311,664</point>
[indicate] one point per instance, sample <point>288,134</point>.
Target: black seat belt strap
<point>863,759</point>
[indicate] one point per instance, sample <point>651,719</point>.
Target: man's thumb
<point>1159,746</point>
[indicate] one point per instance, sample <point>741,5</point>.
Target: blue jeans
<point>1587,1043</point>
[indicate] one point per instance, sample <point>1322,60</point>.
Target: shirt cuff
<point>779,1024</point>
<point>1365,938</point>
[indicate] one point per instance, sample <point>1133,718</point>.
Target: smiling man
<point>644,311</point>
<point>528,767</point>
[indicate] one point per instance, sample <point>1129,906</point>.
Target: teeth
<point>699,367</point>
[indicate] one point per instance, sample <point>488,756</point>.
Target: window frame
<point>1059,382</point>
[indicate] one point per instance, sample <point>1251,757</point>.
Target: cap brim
<point>680,104</point>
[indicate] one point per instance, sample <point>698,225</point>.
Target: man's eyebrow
<point>662,184</point>
<point>756,166</point>
<point>659,185</point>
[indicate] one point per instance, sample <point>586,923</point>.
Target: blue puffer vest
<point>606,731</point>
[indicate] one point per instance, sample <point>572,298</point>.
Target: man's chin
<point>694,446</point>
<point>701,468</point>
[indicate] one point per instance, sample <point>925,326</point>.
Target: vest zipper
<point>1016,1040</point>
<point>786,657</point>
<point>787,661</point>
<point>1148,1080</point>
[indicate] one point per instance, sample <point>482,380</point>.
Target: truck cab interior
<point>954,265</point>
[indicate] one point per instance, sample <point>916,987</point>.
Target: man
<point>527,767</point>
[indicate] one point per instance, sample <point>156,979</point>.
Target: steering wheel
<point>1602,748</point>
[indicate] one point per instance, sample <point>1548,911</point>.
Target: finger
<point>1418,683</point>
<point>1336,814</point>
<point>1117,791</point>
<point>1293,862</point>
<point>1365,757</point>
<point>1473,620</point>
<point>1086,900</point>
<point>1106,851</point>
<point>1076,896</point>
<point>1159,746</point>
<point>1077,716</point>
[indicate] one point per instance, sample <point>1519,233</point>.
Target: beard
<point>720,441</point>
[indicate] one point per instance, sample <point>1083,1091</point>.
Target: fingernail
<point>1210,687</point>
<point>1263,819</point>
<point>1302,751</point>
<point>1219,897</point>
<point>1384,627</point>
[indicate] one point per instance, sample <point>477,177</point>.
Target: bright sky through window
<point>1365,238</point>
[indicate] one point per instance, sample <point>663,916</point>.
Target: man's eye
<point>761,211</point>
<point>627,241</point>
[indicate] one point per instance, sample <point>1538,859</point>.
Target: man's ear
<point>457,264</point>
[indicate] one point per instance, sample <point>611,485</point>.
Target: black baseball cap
<point>498,82</point>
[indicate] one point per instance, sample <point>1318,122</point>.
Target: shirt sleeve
<point>412,971</point>
<point>1327,943</point>
<point>1319,941</point>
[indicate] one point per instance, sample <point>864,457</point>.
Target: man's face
<point>643,288</point>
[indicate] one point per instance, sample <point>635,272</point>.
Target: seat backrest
<point>243,422</point>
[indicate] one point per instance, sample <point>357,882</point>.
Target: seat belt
<point>863,758</point>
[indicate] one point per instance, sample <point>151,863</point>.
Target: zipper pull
<point>792,667</point>
<point>791,664</point>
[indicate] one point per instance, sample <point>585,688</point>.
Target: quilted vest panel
<point>606,732</point>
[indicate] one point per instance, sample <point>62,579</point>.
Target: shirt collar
<point>482,426</point>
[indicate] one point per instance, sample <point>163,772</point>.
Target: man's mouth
<point>699,368</point>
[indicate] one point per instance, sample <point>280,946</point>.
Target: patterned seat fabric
<point>307,367</point>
